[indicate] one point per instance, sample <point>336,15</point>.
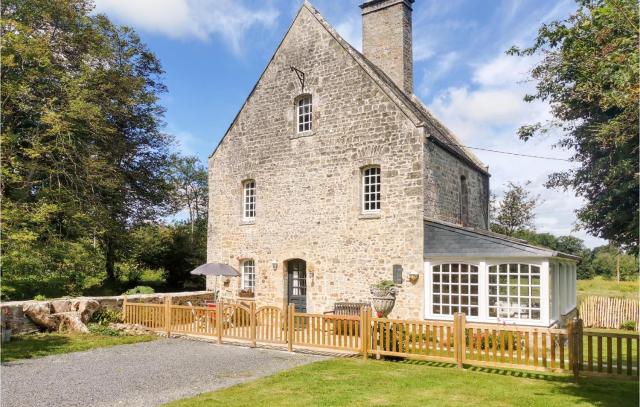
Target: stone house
<point>334,176</point>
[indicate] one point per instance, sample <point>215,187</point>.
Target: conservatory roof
<point>443,239</point>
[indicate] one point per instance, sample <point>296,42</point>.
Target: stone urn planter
<point>383,298</point>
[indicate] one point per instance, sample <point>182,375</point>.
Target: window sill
<point>307,133</point>
<point>372,215</point>
<point>247,222</point>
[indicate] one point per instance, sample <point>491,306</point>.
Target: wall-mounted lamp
<point>274,264</point>
<point>413,276</point>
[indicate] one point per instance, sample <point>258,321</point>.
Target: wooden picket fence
<point>573,349</point>
<point>608,312</point>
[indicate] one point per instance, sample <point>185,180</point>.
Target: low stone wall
<point>12,311</point>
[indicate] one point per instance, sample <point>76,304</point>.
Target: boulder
<point>69,321</point>
<point>86,307</point>
<point>62,315</point>
<point>61,306</point>
<point>40,314</point>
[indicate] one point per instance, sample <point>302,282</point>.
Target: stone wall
<point>21,324</point>
<point>442,188</point>
<point>309,186</point>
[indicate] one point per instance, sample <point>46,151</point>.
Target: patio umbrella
<point>215,269</point>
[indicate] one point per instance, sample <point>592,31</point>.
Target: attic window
<point>304,110</point>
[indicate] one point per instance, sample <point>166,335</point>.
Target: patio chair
<point>200,320</point>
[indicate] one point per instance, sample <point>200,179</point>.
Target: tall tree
<point>189,179</point>
<point>589,73</point>
<point>515,212</point>
<point>83,154</point>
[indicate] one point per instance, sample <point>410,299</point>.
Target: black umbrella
<point>215,269</point>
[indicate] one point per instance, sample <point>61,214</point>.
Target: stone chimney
<point>386,39</point>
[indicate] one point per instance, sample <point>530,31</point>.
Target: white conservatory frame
<point>557,288</point>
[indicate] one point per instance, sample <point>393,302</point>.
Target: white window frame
<point>304,113</point>
<point>483,300</point>
<point>459,285</point>
<point>248,270</point>
<point>428,288</point>
<point>367,192</point>
<point>518,296</point>
<point>249,200</point>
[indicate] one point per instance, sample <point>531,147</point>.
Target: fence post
<point>125,318</point>
<point>364,332</point>
<point>574,332</point>
<point>167,315</point>
<point>252,323</point>
<point>290,311</point>
<point>458,337</point>
<point>576,365</point>
<point>219,320</point>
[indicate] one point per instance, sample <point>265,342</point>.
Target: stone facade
<point>308,185</point>
<point>442,190</point>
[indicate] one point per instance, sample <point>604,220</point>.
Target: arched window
<point>304,113</point>
<point>455,289</point>
<point>249,200</point>
<point>248,275</point>
<point>514,291</point>
<point>371,189</point>
<point>464,201</point>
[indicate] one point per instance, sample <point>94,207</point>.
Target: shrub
<point>628,325</point>
<point>141,289</point>
<point>39,297</point>
<point>106,316</point>
<point>384,285</point>
<point>103,330</point>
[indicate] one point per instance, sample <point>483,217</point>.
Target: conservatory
<point>493,278</point>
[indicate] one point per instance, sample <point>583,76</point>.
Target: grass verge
<point>608,288</point>
<point>38,345</point>
<point>354,382</point>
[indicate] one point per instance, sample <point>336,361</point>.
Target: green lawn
<point>608,288</point>
<point>38,345</point>
<point>354,382</point>
<point>614,350</point>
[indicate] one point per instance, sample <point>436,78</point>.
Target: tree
<point>189,180</point>
<point>515,212</point>
<point>566,244</point>
<point>83,154</point>
<point>604,262</point>
<point>589,73</point>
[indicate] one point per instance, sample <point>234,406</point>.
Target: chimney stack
<point>386,39</point>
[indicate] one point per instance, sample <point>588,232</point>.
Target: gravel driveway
<point>142,374</point>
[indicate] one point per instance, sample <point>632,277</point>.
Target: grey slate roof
<point>442,239</point>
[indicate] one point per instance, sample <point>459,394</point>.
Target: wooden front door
<point>297,284</point>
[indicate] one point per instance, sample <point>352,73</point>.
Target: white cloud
<point>436,70</point>
<point>422,49</point>
<point>351,30</point>
<point>504,70</point>
<point>486,113</point>
<point>198,19</point>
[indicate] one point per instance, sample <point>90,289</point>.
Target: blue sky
<point>214,51</point>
